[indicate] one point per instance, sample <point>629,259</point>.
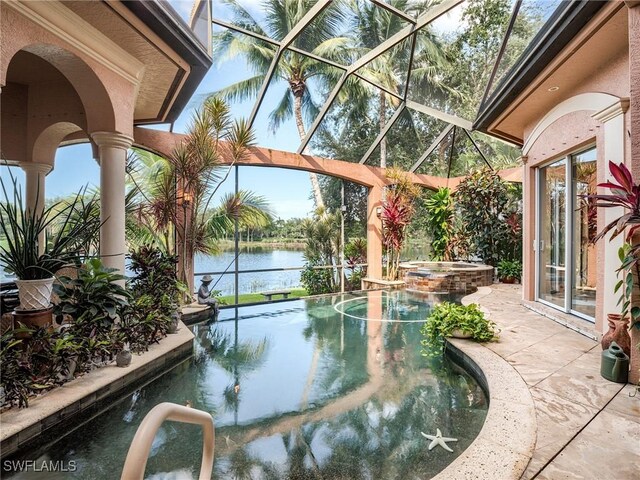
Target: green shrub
<point>440,223</point>
<point>508,268</point>
<point>490,210</point>
<point>317,282</point>
<point>447,317</point>
<point>94,301</point>
<point>156,293</point>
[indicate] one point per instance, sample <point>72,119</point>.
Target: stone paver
<point>608,447</point>
<point>587,427</point>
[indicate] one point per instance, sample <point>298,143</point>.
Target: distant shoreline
<point>286,244</point>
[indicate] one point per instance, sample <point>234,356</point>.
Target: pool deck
<point>587,427</point>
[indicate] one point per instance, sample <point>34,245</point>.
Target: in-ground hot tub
<point>446,277</point>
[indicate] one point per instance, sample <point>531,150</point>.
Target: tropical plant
<point>397,211</point>
<point>156,294</point>
<point>14,376</point>
<point>484,203</point>
<point>508,269</point>
<point>31,247</point>
<point>625,194</point>
<point>355,254</point>
<point>94,299</point>
<point>176,193</point>
<point>34,364</point>
<point>294,71</point>
<point>447,317</point>
<point>440,221</point>
<point>322,249</point>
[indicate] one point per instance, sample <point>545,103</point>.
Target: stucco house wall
<point>573,125</point>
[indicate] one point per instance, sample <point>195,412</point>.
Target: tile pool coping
<point>507,440</point>
<point>90,394</point>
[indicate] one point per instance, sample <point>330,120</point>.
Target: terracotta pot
<point>618,332</point>
<point>509,280</point>
<point>33,318</point>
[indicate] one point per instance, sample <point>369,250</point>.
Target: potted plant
<point>509,271</point>
<point>625,193</point>
<point>454,320</point>
<point>38,244</point>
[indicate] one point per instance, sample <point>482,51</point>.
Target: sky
<point>287,191</point>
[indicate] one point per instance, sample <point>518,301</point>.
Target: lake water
<point>252,259</point>
<point>256,258</point>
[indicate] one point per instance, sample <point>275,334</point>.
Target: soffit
<point>163,71</point>
<point>602,42</point>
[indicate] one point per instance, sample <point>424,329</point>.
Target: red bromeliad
<point>396,215</point>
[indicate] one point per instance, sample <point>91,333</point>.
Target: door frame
<point>569,257</point>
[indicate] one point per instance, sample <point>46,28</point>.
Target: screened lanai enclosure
<point>393,83</point>
<point>376,83</point>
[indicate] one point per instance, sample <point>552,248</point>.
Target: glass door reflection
<point>584,261</point>
<point>553,197</point>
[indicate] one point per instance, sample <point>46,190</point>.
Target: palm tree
<point>189,178</point>
<point>371,26</point>
<point>295,71</point>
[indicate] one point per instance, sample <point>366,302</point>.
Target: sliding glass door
<point>584,228</point>
<point>566,225</point>
<point>552,263</point>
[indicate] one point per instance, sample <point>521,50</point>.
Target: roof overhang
<point>559,31</point>
<point>166,23</point>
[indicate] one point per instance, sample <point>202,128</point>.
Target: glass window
<point>553,196</point>
<point>583,285</point>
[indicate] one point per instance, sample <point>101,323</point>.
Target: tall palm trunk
<point>383,121</point>
<point>297,109</point>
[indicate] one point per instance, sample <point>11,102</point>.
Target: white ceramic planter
<point>35,294</point>
<point>457,333</point>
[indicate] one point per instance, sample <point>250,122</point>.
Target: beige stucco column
<point>112,153</point>
<point>615,132</point>
<point>35,174</point>
<point>374,233</point>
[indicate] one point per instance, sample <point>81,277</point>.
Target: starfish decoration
<point>438,439</point>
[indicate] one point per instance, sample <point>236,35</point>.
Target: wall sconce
<point>185,199</point>
<point>379,211</point>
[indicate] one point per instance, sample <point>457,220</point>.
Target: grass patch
<point>257,297</point>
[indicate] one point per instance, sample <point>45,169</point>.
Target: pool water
<point>305,389</point>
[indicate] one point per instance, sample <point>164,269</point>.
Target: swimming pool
<point>331,388</point>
